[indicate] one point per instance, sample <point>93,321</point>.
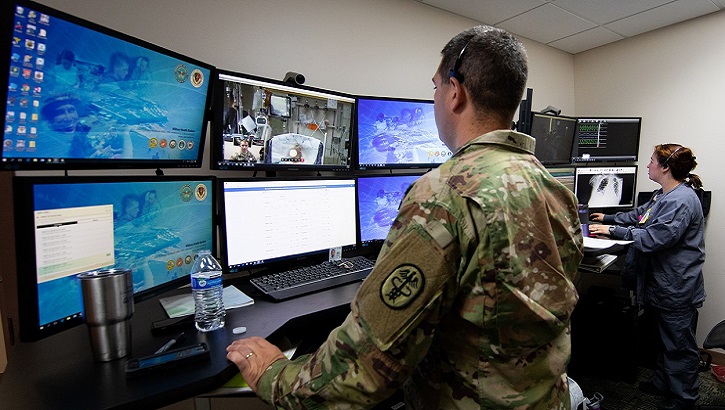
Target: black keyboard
<point>296,282</point>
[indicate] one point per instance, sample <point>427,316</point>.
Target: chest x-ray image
<point>606,190</point>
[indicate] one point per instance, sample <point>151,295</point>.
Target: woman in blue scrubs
<point>668,251</point>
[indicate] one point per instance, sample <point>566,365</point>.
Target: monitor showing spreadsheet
<point>271,220</point>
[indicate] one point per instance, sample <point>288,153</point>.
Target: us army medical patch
<point>402,286</point>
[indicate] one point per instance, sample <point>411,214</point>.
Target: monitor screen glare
<point>398,133</point>
<point>83,96</point>
<point>271,220</point>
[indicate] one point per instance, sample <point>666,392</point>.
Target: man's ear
<point>458,96</point>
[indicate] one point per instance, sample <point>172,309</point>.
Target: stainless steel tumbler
<point>108,307</point>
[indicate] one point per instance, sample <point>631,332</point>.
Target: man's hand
<point>253,356</point>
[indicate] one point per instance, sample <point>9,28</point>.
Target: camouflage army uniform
<point>469,302</point>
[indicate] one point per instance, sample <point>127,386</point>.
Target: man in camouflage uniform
<point>469,302</point>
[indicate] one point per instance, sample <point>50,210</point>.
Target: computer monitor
<point>68,225</point>
<point>263,124</point>
<point>267,222</point>
<point>524,123</point>
<point>606,187</point>
<point>378,199</point>
<point>83,96</point>
<point>565,175</point>
<point>554,136</point>
<point>607,139</point>
<point>397,133</point>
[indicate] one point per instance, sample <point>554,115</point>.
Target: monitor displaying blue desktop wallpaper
<point>82,96</point>
<point>398,133</point>
<point>379,197</point>
<point>153,227</point>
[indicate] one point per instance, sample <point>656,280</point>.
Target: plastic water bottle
<point>207,289</point>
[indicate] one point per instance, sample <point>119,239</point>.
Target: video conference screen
<point>270,220</point>
<point>272,125</point>
<point>80,95</point>
<point>606,187</point>
<point>152,225</point>
<point>398,133</point>
<point>379,198</point>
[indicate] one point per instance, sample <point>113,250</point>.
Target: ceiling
<point>578,25</point>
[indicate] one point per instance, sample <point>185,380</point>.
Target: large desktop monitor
<point>607,139</point>
<point>68,225</point>
<point>82,96</point>
<point>273,221</point>
<point>263,124</point>
<point>554,136</point>
<point>606,187</point>
<point>378,199</point>
<point>397,133</point>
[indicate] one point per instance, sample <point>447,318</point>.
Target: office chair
<point>714,340</point>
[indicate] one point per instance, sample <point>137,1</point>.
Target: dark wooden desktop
<point>59,371</point>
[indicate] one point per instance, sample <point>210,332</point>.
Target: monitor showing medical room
<point>268,222</point>
<point>378,199</point>
<point>607,139</point>
<point>554,136</point>
<point>67,225</point>
<point>264,124</point>
<point>397,133</point>
<point>606,187</point>
<point>82,96</point>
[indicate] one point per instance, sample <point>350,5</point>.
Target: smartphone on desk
<point>170,358</point>
<point>166,325</point>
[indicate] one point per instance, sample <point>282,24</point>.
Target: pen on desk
<point>170,343</point>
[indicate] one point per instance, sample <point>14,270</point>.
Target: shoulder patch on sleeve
<point>402,286</point>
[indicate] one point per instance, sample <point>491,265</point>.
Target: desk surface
<point>59,371</point>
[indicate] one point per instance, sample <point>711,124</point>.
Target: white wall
<point>673,78</point>
<point>375,47</point>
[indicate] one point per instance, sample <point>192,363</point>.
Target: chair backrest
<point>705,198</point>
<point>716,338</point>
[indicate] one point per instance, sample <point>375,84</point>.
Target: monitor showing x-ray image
<point>606,187</point>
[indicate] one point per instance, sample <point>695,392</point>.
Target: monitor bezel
<point>283,263</point>
<point>28,298</point>
<point>217,161</point>
<point>420,166</point>
<point>568,160</point>
<point>607,166</point>
<point>577,158</point>
<point>105,163</point>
